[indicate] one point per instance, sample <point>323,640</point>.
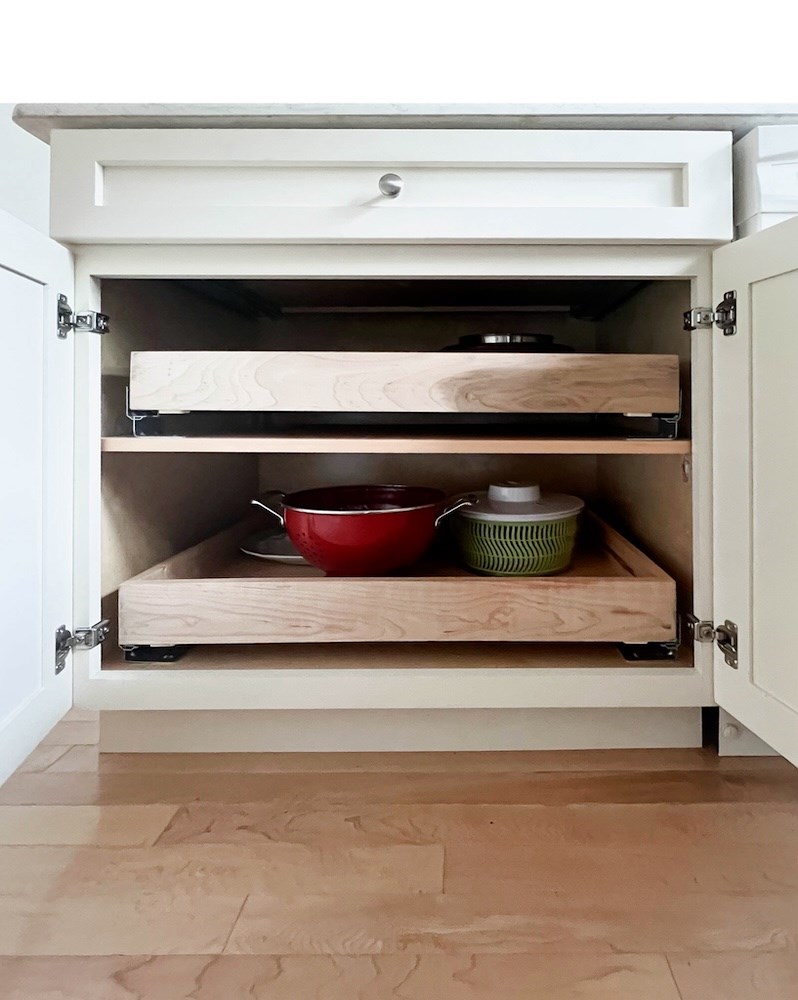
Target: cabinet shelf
<point>352,443</point>
<point>212,594</point>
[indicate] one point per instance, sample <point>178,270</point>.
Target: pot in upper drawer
<point>515,530</point>
<point>363,530</point>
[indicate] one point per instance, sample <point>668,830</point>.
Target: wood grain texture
<point>668,827</point>
<point>359,444</point>
<point>611,593</point>
<point>358,790</point>
<point>737,975</point>
<point>220,869</point>
<point>334,977</point>
<point>410,382</point>
<point>134,923</point>
<point>88,759</point>
<point>119,825</point>
<point>654,875</point>
<point>680,867</point>
<point>540,922</point>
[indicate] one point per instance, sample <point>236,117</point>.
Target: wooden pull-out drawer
<point>213,594</point>
<point>391,382</point>
<point>328,185</point>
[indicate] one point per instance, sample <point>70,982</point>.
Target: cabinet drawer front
<point>390,382</point>
<point>323,185</point>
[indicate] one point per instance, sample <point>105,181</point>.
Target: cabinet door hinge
<point>724,635</point>
<point>82,638</point>
<point>724,316</point>
<point>89,321</point>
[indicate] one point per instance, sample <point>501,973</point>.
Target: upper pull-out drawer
<point>328,185</point>
<point>403,382</point>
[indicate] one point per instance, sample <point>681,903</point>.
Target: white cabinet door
<point>36,486</point>
<point>756,484</point>
<point>323,186</point>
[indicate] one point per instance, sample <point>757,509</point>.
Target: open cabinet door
<point>36,487</point>
<point>755,430</point>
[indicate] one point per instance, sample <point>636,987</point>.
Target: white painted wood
<point>382,731</point>
<point>306,185</point>
<point>766,172</point>
<point>36,498</point>
<point>762,220</point>
<point>417,686</point>
<point>736,740</point>
<point>756,481</point>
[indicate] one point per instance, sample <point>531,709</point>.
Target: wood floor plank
<point>47,873</point>
<point>645,867</point>
<point>81,715</point>
<point>323,977</point>
<point>542,923</point>
<point>106,826</point>
<point>663,826</point>
<point>42,757</point>
<point>117,924</point>
<point>89,759</point>
<point>546,788</point>
<point>69,732</point>
<point>738,976</point>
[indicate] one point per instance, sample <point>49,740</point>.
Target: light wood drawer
<point>391,382</point>
<point>213,594</point>
<point>322,185</point>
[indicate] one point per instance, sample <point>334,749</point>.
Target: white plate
<point>274,546</point>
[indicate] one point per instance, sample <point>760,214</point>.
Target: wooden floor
<point>647,875</point>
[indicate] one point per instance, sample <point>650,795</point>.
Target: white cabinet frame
<point>163,688</point>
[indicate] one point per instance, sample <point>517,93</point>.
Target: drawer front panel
<point>385,382</point>
<point>396,610</point>
<point>275,185</point>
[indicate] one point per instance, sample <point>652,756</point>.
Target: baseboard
<point>22,732</point>
<point>400,730</point>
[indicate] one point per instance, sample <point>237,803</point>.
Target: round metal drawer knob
<point>391,185</point>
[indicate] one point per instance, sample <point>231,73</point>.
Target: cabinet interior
<point>157,504</point>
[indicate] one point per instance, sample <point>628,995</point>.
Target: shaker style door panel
<point>36,385</point>
<point>390,186</point>
<point>756,484</point>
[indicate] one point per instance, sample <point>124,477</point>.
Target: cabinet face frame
<point>416,687</point>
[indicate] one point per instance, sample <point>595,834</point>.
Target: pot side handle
<point>465,501</point>
<point>271,510</point>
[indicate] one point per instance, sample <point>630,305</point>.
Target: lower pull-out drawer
<point>213,594</point>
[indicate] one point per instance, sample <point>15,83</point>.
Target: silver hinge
<point>724,316</point>
<point>88,322</point>
<point>724,635</point>
<point>82,638</point>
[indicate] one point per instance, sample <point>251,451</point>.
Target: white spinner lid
<point>520,502</point>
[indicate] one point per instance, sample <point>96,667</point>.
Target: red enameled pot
<point>363,530</point>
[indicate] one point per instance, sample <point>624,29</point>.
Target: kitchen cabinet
<point>699,521</point>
